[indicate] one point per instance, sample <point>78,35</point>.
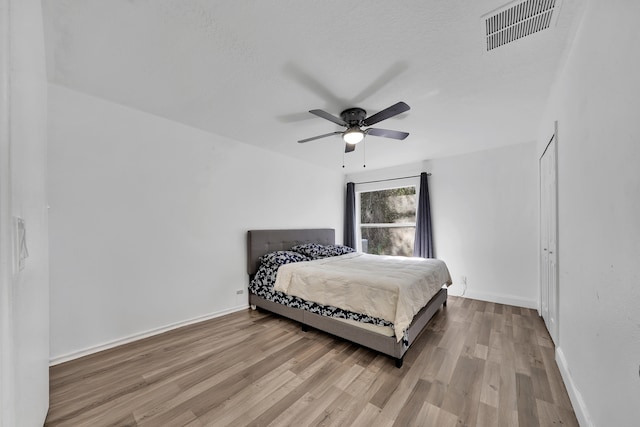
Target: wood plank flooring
<point>477,364</point>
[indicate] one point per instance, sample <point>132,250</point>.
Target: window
<point>387,219</point>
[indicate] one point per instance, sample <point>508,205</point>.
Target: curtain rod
<point>391,179</point>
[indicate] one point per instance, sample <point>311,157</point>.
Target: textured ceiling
<point>251,70</point>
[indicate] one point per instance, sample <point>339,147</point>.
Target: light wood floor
<point>477,364</point>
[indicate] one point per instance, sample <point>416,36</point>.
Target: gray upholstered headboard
<point>260,242</point>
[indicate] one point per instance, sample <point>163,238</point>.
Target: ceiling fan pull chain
<point>343,160</point>
<point>364,153</point>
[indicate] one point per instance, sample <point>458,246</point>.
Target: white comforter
<point>389,287</point>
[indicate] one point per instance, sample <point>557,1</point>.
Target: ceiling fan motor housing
<point>353,116</point>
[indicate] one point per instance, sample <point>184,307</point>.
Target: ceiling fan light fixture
<point>353,135</point>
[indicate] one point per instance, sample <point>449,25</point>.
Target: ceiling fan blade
<point>330,117</point>
<point>386,133</point>
<point>349,147</point>
<point>394,110</point>
<point>319,136</point>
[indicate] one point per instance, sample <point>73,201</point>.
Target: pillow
<point>279,258</point>
<point>336,250</point>
<point>317,251</point>
<point>312,250</point>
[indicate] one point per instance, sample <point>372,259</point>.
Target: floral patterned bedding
<point>264,280</point>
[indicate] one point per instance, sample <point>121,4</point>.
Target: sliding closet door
<point>548,238</point>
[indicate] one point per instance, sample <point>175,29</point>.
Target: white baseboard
<point>579,406</point>
<point>105,346</point>
<point>500,299</point>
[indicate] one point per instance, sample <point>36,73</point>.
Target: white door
<point>24,281</point>
<point>548,238</point>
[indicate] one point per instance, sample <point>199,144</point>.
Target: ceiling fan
<point>355,118</point>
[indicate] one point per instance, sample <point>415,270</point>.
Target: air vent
<point>517,20</point>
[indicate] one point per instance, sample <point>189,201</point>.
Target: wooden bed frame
<point>260,242</point>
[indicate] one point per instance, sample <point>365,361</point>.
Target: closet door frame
<point>549,280</point>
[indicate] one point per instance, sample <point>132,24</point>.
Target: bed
<point>371,332</point>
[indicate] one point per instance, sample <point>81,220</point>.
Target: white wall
<point>24,294</point>
<point>148,219</point>
<point>484,208</point>
<point>484,217</point>
<point>596,101</point>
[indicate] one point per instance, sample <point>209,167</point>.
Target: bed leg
<point>399,362</point>
<point>253,307</point>
<point>305,328</point>
<point>444,304</point>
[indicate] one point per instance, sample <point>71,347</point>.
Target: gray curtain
<point>423,244</point>
<point>350,217</point>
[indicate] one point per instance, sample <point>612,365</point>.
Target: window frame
<point>388,184</point>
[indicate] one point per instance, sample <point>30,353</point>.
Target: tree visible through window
<point>388,221</point>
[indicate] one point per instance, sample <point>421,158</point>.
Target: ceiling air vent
<point>517,20</point>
